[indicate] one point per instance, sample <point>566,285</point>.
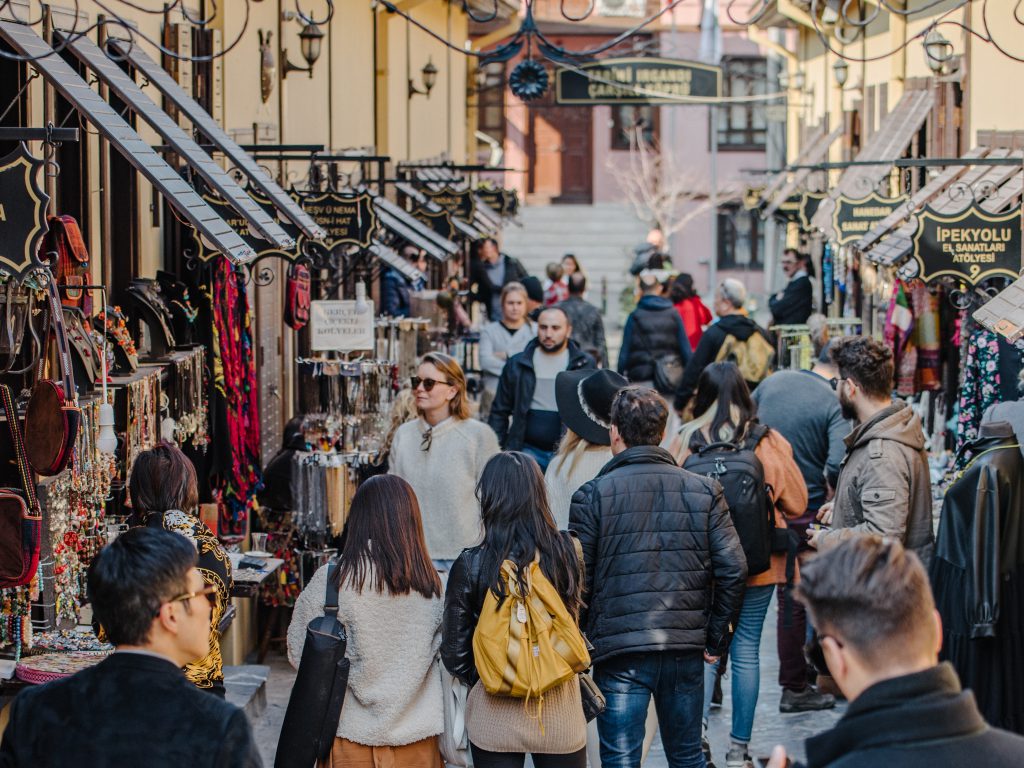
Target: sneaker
<point>737,757</point>
<point>808,700</point>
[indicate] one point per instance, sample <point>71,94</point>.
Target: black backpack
<point>750,501</point>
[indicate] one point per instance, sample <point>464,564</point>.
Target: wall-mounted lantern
<point>841,70</point>
<point>310,40</point>
<point>429,75</point>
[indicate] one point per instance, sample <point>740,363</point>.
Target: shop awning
<point>1002,183</point>
<point>886,145</point>
<point>463,227</point>
<point>260,222</point>
<point>484,218</point>
<point>782,186</point>
<point>398,221</point>
<point>204,123</point>
<point>1004,314</point>
<point>165,179</point>
<point>394,260</point>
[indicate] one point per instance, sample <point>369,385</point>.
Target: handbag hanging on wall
<point>314,706</point>
<point>63,248</point>
<point>20,520</point>
<point>52,419</point>
<point>297,297</point>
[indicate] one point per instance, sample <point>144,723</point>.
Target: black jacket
<point>796,303</point>
<point>654,537</point>
<point>922,720</point>
<point>482,289</point>
<point>740,326</point>
<point>463,600</point>
<point>587,327</point>
<point>515,392</point>
<point>654,330</point>
<point>130,709</point>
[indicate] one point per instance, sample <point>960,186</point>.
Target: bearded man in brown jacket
<point>884,484</point>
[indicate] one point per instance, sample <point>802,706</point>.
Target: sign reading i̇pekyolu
<point>637,80</point>
<point>852,219</point>
<point>972,245</point>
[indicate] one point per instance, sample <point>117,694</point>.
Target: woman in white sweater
<point>389,599</point>
<point>584,400</point>
<point>441,455</point>
<point>501,339</point>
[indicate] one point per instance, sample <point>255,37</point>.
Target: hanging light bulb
<point>106,441</point>
<point>362,305</point>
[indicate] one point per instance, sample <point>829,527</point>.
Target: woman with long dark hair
<point>724,412</point>
<point>389,599</point>
<point>518,527</point>
<point>164,493</point>
<point>696,316</point>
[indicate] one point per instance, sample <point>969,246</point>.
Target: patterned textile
<point>981,384</point>
<point>215,566</point>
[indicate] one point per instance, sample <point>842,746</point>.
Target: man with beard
<point>526,389</point>
<point>884,485</point>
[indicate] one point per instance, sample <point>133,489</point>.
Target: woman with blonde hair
<point>500,339</point>
<point>441,455</point>
<point>584,400</point>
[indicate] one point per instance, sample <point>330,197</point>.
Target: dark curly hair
<point>866,361</point>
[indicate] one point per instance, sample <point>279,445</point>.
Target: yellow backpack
<point>529,643</point>
<point>754,357</point>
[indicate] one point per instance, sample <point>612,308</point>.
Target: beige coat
<point>884,483</point>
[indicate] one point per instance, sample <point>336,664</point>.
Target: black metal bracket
<point>50,135</point>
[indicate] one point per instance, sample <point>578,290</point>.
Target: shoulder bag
<point>297,297</point>
<point>20,520</point>
<point>314,707</point>
<point>53,418</point>
<point>594,702</point>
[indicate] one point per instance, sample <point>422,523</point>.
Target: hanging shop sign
<point>852,219</point>
<point>511,205</point>
<point>457,203</point>
<point>800,208</point>
<point>972,245</point>
<point>492,197</point>
<point>340,326</point>
<point>637,80</point>
<point>439,221</point>
<point>240,224</point>
<point>348,219</point>
<point>22,213</point>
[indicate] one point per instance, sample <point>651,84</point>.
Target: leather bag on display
<point>297,293</point>
<point>20,520</point>
<point>63,248</point>
<point>52,419</point>
<point>314,707</point>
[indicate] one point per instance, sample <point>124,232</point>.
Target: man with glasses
<point>879,635</point>
<point>136,707</point>
<point>794,303</point>
<point>884,485</point>
<point>524,415</point>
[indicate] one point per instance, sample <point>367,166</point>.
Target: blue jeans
<point>543,457</point>
<point>745,660</point>
<point>628,682</point>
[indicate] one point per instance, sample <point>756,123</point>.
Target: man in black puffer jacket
<point>654,332</point>
<point>654,539</point>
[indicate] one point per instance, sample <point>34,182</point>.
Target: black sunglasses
<point>428,384</point>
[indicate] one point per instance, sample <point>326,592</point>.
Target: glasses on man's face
<point>834,382</point>
<point>428,384</point>
<point>209,592</point>
<point>815,654</point>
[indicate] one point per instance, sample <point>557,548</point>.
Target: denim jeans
<point>675,680</point>
<point>543,457</point>
<point>745,660</point>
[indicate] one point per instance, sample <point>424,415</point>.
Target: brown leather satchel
<point>20,520</point>
<point>52,419</point>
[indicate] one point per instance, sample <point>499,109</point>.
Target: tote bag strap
<point>11,413</point>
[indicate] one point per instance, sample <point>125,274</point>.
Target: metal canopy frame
<point>202,121</point>
<point>399,221</point>
<point>137,152</point>
<point>219,180</point>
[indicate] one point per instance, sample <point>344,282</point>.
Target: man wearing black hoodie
<point>735,337</point>
<point>879,634</point>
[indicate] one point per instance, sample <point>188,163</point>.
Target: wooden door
<point>561,155</point>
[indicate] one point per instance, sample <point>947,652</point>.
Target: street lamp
<point>310,39</point>
<point>841,70</point>
<point>429,73</point>
<point>937,50</point>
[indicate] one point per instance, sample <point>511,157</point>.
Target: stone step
<point>246,686</point>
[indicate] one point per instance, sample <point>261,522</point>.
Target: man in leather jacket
<point>654,538</point>
<point>879,635</point>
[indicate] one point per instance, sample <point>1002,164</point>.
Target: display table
<point>248,580</point>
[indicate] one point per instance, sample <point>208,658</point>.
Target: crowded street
<point>507,383</point>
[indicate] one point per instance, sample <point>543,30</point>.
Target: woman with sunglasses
<point>164,494</point>
<point>518,526</point>
<point>724,411</point>
<point>389,599</point>
<point>441,455</point>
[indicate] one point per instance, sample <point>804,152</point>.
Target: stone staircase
<point>602,236</point>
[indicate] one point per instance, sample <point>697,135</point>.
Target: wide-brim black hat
<point>584,401</point>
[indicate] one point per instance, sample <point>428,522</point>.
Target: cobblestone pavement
<point>770,726</point>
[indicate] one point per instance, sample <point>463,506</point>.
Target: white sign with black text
<point>336,326</point>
